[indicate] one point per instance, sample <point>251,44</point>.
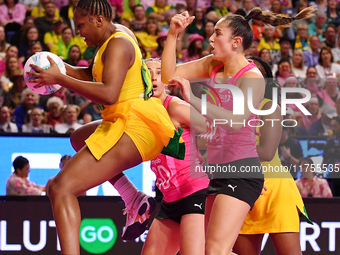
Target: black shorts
<point>194,203</point>
<point>247,190</point>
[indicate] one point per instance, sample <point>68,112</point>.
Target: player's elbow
<point>268,156</point>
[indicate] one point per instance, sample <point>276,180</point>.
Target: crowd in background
<point>306,55</point>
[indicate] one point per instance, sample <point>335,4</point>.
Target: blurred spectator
<point>265,55</point>
<point>285,51</point>
<point>3,43</point>
<point>67,13</point>
<point>319,4</point>
<point>138,24</point>
<point>283,71</point>
<point>269,41</point>
<point>312,82</point>
<point>91,113</point>
<point>302,40</point>
<point>73,56</point>
<point>36,122</point>
<point>258,29</point>
<point>12,16</point>
<point>191,5</point>
<point>125,23</point>
<point>30,35</point>
<point>70,115</point>
<point>46,23</point>
<point>336,52</point>
<point>276,7</point>
<point>293,82</point>
<point>323,125</point>
<point>312,55</point>
<point>333,13</point>
<point>63,47</point>
<point>160,10</point>
<point>208,31</point>
<point>35,48</point>
<point>216,11</point>
<point>128,7</point>
<point>250,52</point>
<point>330,37</point>
<point>161,43</point>
<point>326,64</point>
<point>195,48</point>
<point>12,64</point>
<point>53,115</point>
<point>330,94</point>
<point>305,121</point>
<point>29,4</point>
<point>248,5</point>
<point>39,10</point>
<point>302,4</point>
<point>29,100</point>
<point>6,126</point>
<point>148,39</point>
<point>18,183</point>
<point>12,98</point>
<point>117,6</point>
<point>310,186</point>
<point>197,26</point>
<point>319,26</point>
<point>290,151</point>
<point>298,65</point>
<point>338,106</point>
<point>18,37</point>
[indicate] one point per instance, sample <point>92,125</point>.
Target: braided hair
<point>95,7</point>
<point>271,82</point>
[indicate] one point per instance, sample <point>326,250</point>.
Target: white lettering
<point>304,237</point>
<point>42,242</point>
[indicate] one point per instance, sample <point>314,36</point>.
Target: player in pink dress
<point>183,189</point>
<point>231,145</point>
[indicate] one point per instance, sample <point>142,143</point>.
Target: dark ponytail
<point>273,19</point>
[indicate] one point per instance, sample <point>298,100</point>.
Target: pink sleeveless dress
<point>225,146</point>
<point>176,178</point>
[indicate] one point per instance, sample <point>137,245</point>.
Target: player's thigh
<point>79,135</point>
<point>83,171</point>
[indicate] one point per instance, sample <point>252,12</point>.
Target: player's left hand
<point>47,76</point>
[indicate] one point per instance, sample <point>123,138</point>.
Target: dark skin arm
<point>270,134</point>
<point>117,58</point>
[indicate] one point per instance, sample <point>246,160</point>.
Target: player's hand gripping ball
<point>40,59</point>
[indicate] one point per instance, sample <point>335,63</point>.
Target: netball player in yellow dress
<point>277,210</point>
<point>135,128</point>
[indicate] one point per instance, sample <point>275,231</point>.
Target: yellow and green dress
<point>136,113</point>
<point>277,209</point>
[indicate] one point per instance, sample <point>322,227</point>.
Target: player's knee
<point>215,247</point>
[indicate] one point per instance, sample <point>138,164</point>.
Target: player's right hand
<point>179,23</point>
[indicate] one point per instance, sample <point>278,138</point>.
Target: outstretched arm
<point>184,115</point>
<point>251,79</point>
